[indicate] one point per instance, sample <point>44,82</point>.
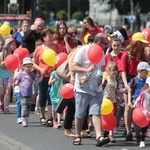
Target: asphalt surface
<point>37,137</point>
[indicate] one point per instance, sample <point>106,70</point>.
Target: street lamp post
<point>68,10</point>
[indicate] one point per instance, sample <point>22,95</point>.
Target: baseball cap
<point>9,40</point>
<point>139,36</point>
<point>148,81</point>
<point>27,60</point>
<point>143,66</point>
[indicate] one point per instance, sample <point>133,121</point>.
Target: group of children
<point>139,85</point>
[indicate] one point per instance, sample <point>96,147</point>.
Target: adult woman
<point>133,54</point>
<point>72,31</point>
<point>20,33</point>
<point>88,28</point>
<point>44,69</point>
<point>61,37</point>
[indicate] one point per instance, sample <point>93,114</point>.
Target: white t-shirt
<point>82,59</point>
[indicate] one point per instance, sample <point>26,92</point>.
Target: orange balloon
<point>11,62</point>
<point>95,54</point>
<point>60,58</point>
<point>109,122</point>
<point>139,117</point>
<point>66,91</point>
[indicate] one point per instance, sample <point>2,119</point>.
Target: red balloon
<point>139,117</point>
<point>21,53</point>
<point>66,91</point>
<point>108,122</point>
<point>60,58</point>
<point>95,54</point>
<point>146,33</point>
<point>11,62</point>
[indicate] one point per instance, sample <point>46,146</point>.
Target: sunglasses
<point>104,43</point>
<point>73,33</point>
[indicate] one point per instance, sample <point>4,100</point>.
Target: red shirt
<point>116,59</point>
<point>61,43</point>
<point>130,67</point>
<point>38,56</point>
<point>96,30</point>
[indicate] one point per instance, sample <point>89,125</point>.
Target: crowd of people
<point>121,76</point>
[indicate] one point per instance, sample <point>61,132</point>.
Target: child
<point>144,101</point>
<point>25,80</point>
<point>17,94</point>
<point>111,88</point>
<point>55,83</point>
<point>135,88</point>
<point>6,77</point>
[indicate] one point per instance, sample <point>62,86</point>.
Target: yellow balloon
<point>148,75</point>
<point>49,57</point>
<point>86,38</point>
<point>106,107</point>
<point>2,33</point>
<point>105,75</point>
<point>5,28</point>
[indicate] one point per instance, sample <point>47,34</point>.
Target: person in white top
<point>81,66</point>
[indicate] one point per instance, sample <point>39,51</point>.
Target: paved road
<point>37,137</point>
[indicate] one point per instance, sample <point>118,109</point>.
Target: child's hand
<point>130,104</point>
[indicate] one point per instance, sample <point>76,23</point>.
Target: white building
<point>98,13</point>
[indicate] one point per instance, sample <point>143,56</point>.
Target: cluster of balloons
<point>66,91</point>
<point>109,120</point>
<point>141,117</point>
<point>95,54</point>
<point>4,29</point>
<point>12,61</point>
<point>50,58</point>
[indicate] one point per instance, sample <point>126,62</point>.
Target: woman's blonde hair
<point>111,66</point>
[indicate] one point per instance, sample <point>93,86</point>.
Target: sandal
<point>102,142</point>
<point>112,139</point>
<point>77,140</point>
<point>43,121</point>
<point>49,123</point>
<point>85,134</point>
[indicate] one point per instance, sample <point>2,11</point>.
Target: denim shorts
<point>84,100</point>
<point>4,82</point>
<point>43,92</point>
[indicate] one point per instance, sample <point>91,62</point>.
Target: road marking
<point>12,144</point>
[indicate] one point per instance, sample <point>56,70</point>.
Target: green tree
<point>61,15</point>
<point>47,6</point>
<point>124,8</point>
<point>77,15</point>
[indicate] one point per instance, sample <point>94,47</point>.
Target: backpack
<point>133,85</point>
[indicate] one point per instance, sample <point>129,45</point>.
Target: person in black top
<point>32,35</point>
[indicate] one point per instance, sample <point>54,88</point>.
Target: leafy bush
<point>78,15</point>
<point>61,15</point>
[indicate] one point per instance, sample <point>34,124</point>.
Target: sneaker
<point>37,111</point>
<point>142,144</point>
<point>24,123</point>
<point>19,121</point>
<point>6,111</point>
<point>129,137</point>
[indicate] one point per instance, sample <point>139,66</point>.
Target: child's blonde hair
<point>111,66</point>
